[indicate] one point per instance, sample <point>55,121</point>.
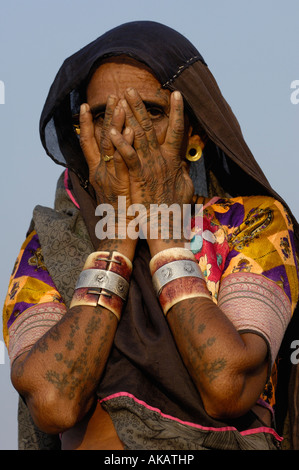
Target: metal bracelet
<point>175,270</point>
<point>102,279</point>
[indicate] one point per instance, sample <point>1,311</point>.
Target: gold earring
<point>194,152</point>
<point>76,125</point>
<point>77,129</point>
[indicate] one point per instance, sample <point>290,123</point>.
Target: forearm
<point>59,376</point>
<point>228,369</point>
<point>217,357</point>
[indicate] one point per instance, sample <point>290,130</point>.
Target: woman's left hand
<point>157,172</point>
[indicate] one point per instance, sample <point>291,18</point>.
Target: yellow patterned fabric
<point>246,234</point>
<point>245,248</point>
<point>30,285</point>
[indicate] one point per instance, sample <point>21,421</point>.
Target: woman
<point>105,368</point>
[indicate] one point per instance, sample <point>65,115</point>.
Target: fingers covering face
<point>88,141</point>
<point>123,144</point>
<point>139,119</point>
<point>176,128</point>
<point>96,142</point>
<point>144,130</point>
<point>132,113</point>
<point>114,117</point>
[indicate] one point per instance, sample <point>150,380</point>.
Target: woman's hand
<point>157,172</point>
<point>108,177</point>
<point>108,172</point>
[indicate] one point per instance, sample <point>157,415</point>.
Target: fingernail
<point>83,108</point>
<point>127,130</point>
<point>177,95</point>
<point>111,99</point>
<point>113,131</point>
<point>131,91</point>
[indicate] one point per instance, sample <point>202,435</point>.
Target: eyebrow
<point>100,108</point>
<point>154,104</point>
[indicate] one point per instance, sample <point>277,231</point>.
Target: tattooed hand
<point>110,179</point>
<point>157,172</point>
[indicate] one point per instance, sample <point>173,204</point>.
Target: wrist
<point>165,227</point>
<point>177,276</point>
<point>126,246</point>
<point>104,281</point>
<point>156,246</point>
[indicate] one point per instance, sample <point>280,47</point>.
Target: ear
<point>195,146</point>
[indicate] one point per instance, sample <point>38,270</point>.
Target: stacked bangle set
<point>105,279</point>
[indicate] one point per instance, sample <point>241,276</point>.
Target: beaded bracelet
<point>104,281</point>
<point>176,276</point>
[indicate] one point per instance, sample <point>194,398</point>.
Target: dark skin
<point>59,376</point>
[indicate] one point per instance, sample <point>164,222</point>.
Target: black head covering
<point>140,40</point>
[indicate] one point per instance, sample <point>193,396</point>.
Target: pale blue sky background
<point>250,46</point>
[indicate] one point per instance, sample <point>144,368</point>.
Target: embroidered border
<point>156,425</point>
<point>31,325</point>
<point>253,302</point>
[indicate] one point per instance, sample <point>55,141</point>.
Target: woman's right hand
<point>109,178</point>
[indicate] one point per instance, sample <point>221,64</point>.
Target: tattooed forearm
<point>64,367</point>
<point>219,359</point>
<point>196,342</point>
<point>81,354</point>
<point>212,370</point>
<point>58,380</point>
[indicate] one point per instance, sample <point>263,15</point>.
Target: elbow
<point>224,411</point>
<point>51,414</point>
<point>227,401</point>
<point>234,395</point>
<point>51,411</point>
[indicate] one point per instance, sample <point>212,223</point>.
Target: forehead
<point>116,75</point>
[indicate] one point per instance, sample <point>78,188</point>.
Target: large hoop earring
<point>194,152</point>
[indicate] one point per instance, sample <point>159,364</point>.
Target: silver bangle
<point>102,279</point>
<point>175,270</point>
